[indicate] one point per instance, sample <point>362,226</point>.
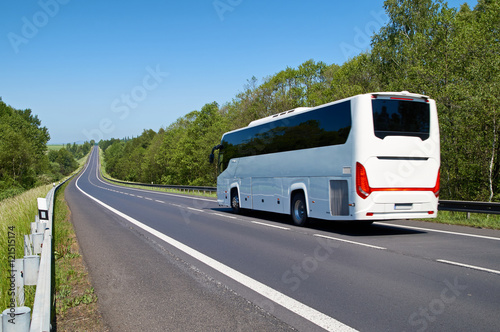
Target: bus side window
<point>220,163</point>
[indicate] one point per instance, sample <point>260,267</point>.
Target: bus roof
<point>278,116</point>
<point>299,110</point>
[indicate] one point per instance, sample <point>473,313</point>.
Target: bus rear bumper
<point>399,205</point>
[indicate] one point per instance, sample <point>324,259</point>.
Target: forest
<point>449,54</point>
<point>24,160</point>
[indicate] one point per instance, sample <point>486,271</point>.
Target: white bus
<point>369,157</point>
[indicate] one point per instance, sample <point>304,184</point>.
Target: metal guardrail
<point>177,187</point>
<point>34,270</point>
<point>41,318</point>
<point>444,205</point>
<point>470,207</point>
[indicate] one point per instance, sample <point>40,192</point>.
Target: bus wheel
<point>235,201</point>
<point>299,213</point>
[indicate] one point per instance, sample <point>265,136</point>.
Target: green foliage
<point>16,215</point>
<point>62,161</point>
<point>22,149</point>
<point>24,161</point>
<point>81,150</point>
<point>451,55</point>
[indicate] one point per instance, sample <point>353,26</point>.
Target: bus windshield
<point>400,118</point>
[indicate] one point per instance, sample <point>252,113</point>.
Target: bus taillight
<point>435,190</point>
<point>362,186</point>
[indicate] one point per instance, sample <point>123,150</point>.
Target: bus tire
<point>298,209</point>
<point>235,201</point>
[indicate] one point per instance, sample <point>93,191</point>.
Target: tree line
<point>64,161</point>
<point>451,55</point>
<point>24,161</point>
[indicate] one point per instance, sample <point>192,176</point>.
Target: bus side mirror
<point>212,157</point>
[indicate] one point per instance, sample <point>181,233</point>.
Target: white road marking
<point>198,210</point>
<point>149,191</point>
<point>225,215</point>
<point>311,314</point>
<point>268,225</point>
<point>468,266</point>
<point>352,242</point>
<point>440,231</point>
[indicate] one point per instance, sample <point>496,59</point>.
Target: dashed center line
<point>268,225</point>
<point>478,268</point>
<point>314,316</point>
<point>225,215</point>
<point>352,242</point>
<point>190,208</point>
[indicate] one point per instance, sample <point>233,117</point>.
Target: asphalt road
<point>166,262</point>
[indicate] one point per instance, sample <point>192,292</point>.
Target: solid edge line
<point>352,242</point>
<point>440,231</point>
<point>468,266</point>
<point>312,315</point>
<point>148,191</point>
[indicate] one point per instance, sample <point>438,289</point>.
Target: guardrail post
<point>28,246</point>
<point>33,270</point>
<point>31,267</point>
<point>16,319</point>
<point>18,274</point>
<point>37,241</point>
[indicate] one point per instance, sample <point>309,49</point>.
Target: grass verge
<point>75,300</point>
<point>477,220</point>
<point>16,215</point>
<point>160,189</point>
<point>55,147</point>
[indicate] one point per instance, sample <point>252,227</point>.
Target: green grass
<point>72,286</point>
<point>167,190</point>
<point>55,147</point>
<point>75,299</point>
<point>16,215</point>
<point>82,161</point>
<point>159,189</point>
<point>477,220</point>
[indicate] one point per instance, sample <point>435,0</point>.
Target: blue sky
<point>101,69</point>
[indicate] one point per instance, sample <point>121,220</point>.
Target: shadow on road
<point>349,228</point>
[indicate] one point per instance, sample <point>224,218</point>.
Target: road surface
<point>167,262</point>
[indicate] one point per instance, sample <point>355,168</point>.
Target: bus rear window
<point>400,118</point>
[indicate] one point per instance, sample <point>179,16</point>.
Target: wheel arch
<point>297,188</point>
<point>233,186</point>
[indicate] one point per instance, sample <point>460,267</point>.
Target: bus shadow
<point>352,228</point>
<point>348,228</point>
